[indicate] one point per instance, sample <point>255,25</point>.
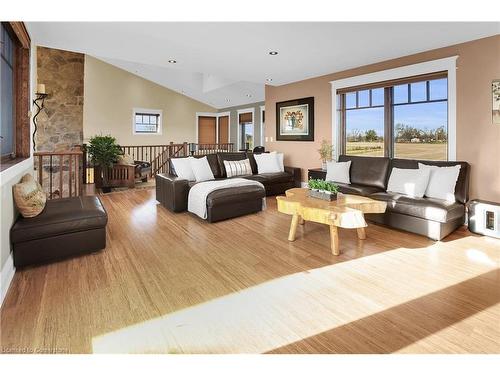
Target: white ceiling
<point>227,64</point>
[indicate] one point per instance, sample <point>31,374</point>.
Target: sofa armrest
<point>172,192</point>
<point>297,174</point>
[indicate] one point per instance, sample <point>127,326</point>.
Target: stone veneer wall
<point>60,124</point>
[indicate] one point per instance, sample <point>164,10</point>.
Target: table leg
<point>301,221</point>
<point>334,239</point>
<point>293,227</point>
<point>361,233</point>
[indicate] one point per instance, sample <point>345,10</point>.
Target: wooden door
<point>224,129</point>
<point>207,130</point>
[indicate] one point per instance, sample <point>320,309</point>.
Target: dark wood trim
<point>21,33</point>
<point>22,102</point>
<point>394,82</point>
<point>388,126</point>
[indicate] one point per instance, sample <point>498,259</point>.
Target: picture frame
<point>295,120</point>
<point>495,101</point>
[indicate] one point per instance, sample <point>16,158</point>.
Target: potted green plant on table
<point>104,152</point>
<point>325,153</point>
<point>322,189</point>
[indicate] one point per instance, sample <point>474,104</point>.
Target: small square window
<point>418,91</point>
<point>147,121</point>
<point>364,98</point>
<point>400,94</point>
<point>378,97</point>
<point>350,100</point>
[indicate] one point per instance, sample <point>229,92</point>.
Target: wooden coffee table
<point>345,212</point>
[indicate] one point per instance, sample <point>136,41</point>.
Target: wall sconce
<point>40,96</point>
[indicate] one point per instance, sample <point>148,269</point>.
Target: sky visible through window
<point>422,116</point>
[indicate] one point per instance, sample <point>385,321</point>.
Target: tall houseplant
<point>104,152</point>
<point>325,153</point>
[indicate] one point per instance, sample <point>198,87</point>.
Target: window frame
<point>150,112</point>
<point>447,64</point>
<point>22,95</point>
<point>239,135</point>
<point>388,106</point>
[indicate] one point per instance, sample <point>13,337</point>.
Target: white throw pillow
<point>442,181</point>
<point>338,171</point>
<point>201,169</point>
<point>411,182</point>
<point>267,163</point>
<point>182,167</point>
<point>238,167</point>
<point>280,156</point>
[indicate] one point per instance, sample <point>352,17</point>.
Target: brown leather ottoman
<point>65,228</point>
<point>233,202</point>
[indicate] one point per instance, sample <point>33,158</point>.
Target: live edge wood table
<point>345,212</point>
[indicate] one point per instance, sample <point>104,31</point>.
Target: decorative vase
<point>323,165</point>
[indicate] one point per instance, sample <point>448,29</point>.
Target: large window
<point>404,119</point>
<point>147,121</point>
<point>7,132</point>
<point>14,93</point>
<point>246,130</point>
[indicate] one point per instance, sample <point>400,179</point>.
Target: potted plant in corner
<point>325,153</point>
<point>322,189</point>
<point>104,152</point>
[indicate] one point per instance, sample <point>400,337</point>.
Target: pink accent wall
<point>478,140</point>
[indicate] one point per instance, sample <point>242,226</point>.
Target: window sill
<point>5,164</point>
<point>7,170</point>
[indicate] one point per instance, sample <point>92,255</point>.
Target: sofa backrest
<point>462,186</point>
<point>369,171</point>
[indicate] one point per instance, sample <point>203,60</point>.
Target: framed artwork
<point>295,120</point>
<point>495,96</point>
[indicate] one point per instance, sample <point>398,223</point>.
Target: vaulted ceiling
<point>228,64</point>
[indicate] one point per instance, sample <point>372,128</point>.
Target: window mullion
<point>388,123</point>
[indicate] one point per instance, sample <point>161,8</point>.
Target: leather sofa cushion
<point>276,178</point>
<point>235,195</point>
<point>61,216</point>
<point>369,171</point>
<point>425,208</point>
<point>357,189</point>
<point>462,185</point>
<point>256,177</point>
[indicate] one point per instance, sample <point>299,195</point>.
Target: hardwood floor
<point>171,283</point>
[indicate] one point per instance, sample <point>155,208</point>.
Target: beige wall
<point>110,94</point>
<point>478,140</point>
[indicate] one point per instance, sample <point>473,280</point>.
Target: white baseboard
<point>7,275</point>
<point>303,184</point>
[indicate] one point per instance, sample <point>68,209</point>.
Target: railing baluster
<point>61,169</point>
<point>50,176</point>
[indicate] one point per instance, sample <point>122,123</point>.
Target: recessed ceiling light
<point>249,95</point>
<point>269,80</point>
<point>172,61</point>
<point>228,100</point>
<point>273,53</point>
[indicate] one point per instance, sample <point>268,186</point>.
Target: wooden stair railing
<point>158,155</point>
<point>60,173</point>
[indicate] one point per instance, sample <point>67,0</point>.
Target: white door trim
<point>238,112</point>
<point>262,109</point>
<point>448,64</point>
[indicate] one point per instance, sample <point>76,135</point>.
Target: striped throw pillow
<point>237,167</point>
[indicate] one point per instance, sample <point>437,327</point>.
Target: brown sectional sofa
<point>430,217</point>
<point>172,192</point>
